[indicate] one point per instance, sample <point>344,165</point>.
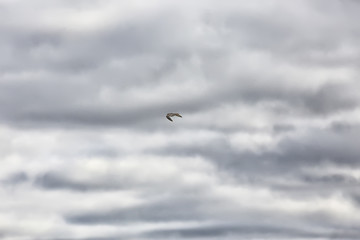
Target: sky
<point>268,146</point>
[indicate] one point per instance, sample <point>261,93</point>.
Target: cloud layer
<point>267,147</point>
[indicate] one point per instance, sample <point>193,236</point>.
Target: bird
<point>169,115</point>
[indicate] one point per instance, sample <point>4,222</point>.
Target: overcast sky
<point>268,146</point>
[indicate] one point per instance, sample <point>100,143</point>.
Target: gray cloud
<point>55,181</point>
<point>234,231</point>
<point>50,108</point>
<point>180,209</point>
<point>322,146</point>
<point>283,128</point>
<point>315,147</point>
<point>148,53</point>
<point>269,130</point>
<point>331,179</point>
<point>16,178</point>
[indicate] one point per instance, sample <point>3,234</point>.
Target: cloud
<point>52,181</point>
<point>267,146</point>
<point>167,210</point>
<point>233,231</point>
<point>141,62</point>
<point>322,146</point>
<point>16,178</point>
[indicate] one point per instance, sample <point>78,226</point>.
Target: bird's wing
<point>168,117</point>
<point>176,114</point>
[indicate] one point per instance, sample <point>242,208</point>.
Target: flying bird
<point>169,115</point>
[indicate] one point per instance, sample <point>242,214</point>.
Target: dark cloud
<point>279,128</point>
<point>234,231</point>
<point>54,181</point>
<point>344,127</point>
<point>16,178</point>
<point>181,208</point>
<point>87,238</point>
<point>332,98</point>
<point>332,179</point>
<point>355,198</point>
<point>321,146</point>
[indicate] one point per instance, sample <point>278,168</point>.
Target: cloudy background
<point>268,146</point>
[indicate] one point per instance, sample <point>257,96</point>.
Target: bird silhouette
<point>169,115</point>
